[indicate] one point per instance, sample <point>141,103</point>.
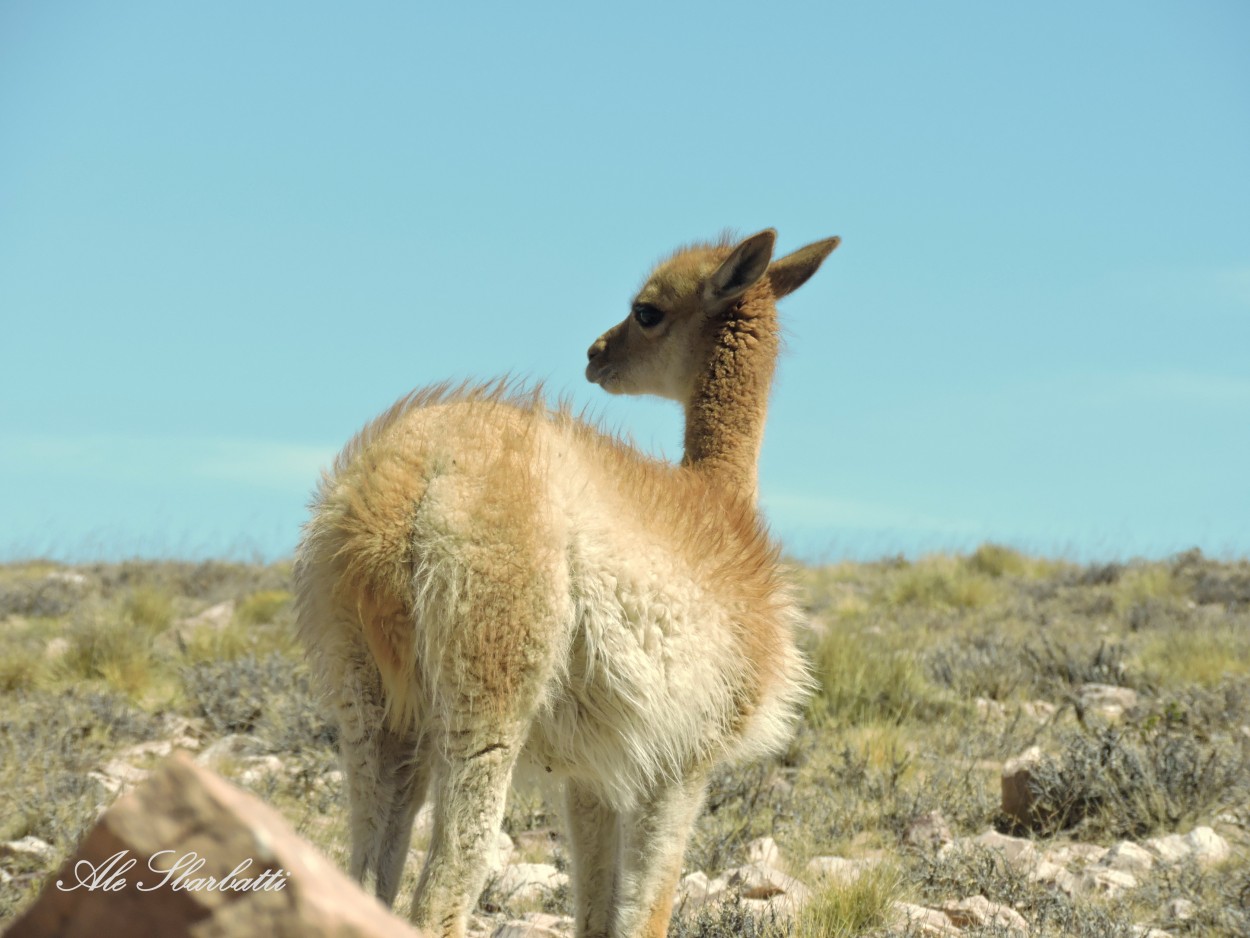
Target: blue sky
<point>231,233</point>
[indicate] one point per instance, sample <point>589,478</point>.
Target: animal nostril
<point>596,349</point>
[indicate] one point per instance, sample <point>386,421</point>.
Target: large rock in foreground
<point>187,854</point>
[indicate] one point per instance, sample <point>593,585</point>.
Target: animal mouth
<point>599,373</point>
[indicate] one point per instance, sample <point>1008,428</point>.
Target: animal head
<point>665,343</point>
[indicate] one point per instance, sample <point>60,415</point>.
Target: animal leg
<point>654,838</point>
<point>594,840</point>
<point>470,795</point>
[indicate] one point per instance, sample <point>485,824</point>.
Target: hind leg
<point>654,844</point>
<point>594,841</point>
<point>387,772</point>
<point>470,796</point>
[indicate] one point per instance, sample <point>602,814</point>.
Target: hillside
<point>1132,680</point>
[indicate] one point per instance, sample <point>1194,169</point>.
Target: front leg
<point>654,842</point>
<point>594,842</point>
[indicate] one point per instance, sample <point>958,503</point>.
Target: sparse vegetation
<point>928,673</point>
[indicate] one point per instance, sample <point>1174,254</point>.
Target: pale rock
<point>500,853</point>
<point>1099,881</point>
<point>1207,846</point>
<point>56,649</point>
<point>919,920</point>
<point>229,749</point>
<point>183,808</point>
<point>1046,872</point>
<point>764,851</point>
<point>837,869</point>
<point>1107,699</point>
<point>1018,853</point>
<point>1079,853</point>
<point>1128,857</point>
<point>929,831</point>
<point>535,925</point>
<point>258,769</point>
<point>696,890</point>
<point>1018,795</point>
<point>755,881</point>
<point>214,617</point>
<point>67,578</point>
<point>1039,711</point>
<point>979,912</point>
<point>27,848</point>
<point>424,822</point>
<point>117,777</point>
<point>990,709</point>
<point>528,882</point>
<point>1180,910</point>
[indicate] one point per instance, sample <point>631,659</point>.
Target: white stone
<point>535,925</point>
<point>56,649</point>
<point>756,881</point>
<point>1108,699</point>
<point>1018,853</point>
<point>836,869</point>
<point>1128,857</point>
<point>525,882</point>
<point>214,617</point>
<point>1207,846</point>
<point>979,912</point>
<point>1040,711</point>
<point>1100,881</point>
<point>918,920</point>
<point>1180,910</point>
<point>764,851</point>
<point>27,847</point>
<point>500,854</point>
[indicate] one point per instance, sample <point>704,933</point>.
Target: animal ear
<point>742,269</point>
<point>788,273</point>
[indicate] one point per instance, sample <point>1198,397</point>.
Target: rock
<point>1098,881</point>
<point>116,776</point>
<point>535,925</point>
<point>258,769</point>
<point>1145,931</point>
<point>29,849</point>
<point>918,920</point>
<point>214,617</point>
<point>990,709</point>
<point>229,749</point>
<point>1128,857</point>
<point>56,649</point>
<point>1047,872</point>
<point>528,882</point>
<point>837,869</point>
<point>979,912</point>
<point>1202,843</point>
<point>1180,910</point>
<point>929,831</point>
<point>1084,854</point>
<point>756,881</point>
<point>1040,711</point>
<point>1018,853</point>
<point>540,842</point>
<point>764,851</point>
<point>266,881</point>
<point>500,854</point>
<point>1207,846</point>
<point>1018,795</point>
<point>696,890</point>
<point>1107,699</point>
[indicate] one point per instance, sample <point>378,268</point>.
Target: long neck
<point>725,416</point>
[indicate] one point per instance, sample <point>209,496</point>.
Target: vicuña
<point>485,579</point>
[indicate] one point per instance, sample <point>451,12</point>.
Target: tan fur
<point>486,579</point>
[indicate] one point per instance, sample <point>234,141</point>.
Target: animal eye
<point>648,315</point>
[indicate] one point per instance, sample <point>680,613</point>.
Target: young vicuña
<point>485,579</point>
